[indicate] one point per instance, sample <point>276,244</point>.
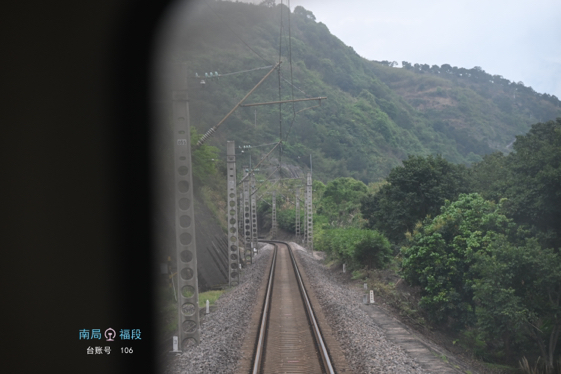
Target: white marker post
<point>175,345</point>
<point>343,268</point>
<point>207,307</point>
<point>371,297</point>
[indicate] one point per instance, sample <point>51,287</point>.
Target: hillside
<point>375,115</point>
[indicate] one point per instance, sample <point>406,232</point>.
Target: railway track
<point>288,338</point>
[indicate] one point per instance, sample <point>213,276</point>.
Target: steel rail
<point>317,332</point>
<point>264,318</point>
<point>323,352</point>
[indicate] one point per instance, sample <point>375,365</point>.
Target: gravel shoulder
<point>223,331</point>
<point>370,333</point>
<point>365,345</point>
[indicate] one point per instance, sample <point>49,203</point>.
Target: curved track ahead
<point>289,338</point>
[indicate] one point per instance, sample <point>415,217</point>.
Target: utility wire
<point>263,159</point>
<point>287,81</point>
<point>280,97</point>
<point>291,78</point>
<point>262,184</point>
<point>261,145</point>
<point>243,71</point>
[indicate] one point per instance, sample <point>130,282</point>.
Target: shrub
<point>373,250</point>
<point>356,247</point>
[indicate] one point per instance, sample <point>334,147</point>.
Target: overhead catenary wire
<point>261,145</point>
<point>291,84</point>
<point>241,71</point>
<point>291,77</point>
<point>280,96</point>
<point>213,129</point>
<point>288,201</point>
<point>275,182</point>
<point>284,101</point>
<point>280,101</point>
<point>281,78</point>
<point>262,184</point>
<point>263,159</point>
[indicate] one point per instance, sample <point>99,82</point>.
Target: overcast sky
<point>518,39</point>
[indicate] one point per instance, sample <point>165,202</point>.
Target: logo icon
<point>110,334</point>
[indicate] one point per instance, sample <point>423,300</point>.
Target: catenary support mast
<point>233,229</point>
<point>274,216</point>
<point>253,215</point>
<point>309,215</point>
<point>297,215</point>
<point>188,293</point>
<point>247,221</point>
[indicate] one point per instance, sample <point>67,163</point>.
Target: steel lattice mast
<point>247,221</point>
<point>253,216</point>
<point>309,214</point>
<point>233,229</point>
<point>297,215</point>
<point>188,293</point>
<point>274,216</point>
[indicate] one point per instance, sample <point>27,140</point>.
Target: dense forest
<point>375,114</point>
<point>446,177</point>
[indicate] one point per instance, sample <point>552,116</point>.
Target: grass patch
<point>359,274</point>
<point>404,302</point>
<point>501,368</point>
<point>331,262</point>
<point>211,296</point>
<point>167,307</point>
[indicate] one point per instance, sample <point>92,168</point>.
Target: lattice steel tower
<point>247,221</point>
<point>274,216</point>
<point>188,298</point>
<point>297,225</point>
<point>233,230</point>
<point>309,214</point>
<point>253,201</point>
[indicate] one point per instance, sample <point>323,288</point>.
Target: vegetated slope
<point>375,115</point>
<point>470,103</point>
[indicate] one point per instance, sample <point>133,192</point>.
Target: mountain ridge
<point>375,115</point>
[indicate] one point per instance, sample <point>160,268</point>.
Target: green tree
<point>373,250</point>
<point>491,176</point>
<point>366,127</point>
<point>414,191</point>
<point>203,158</point>
<point>355,247</point>
<point>442,252</point>
<point>341,200</point>
<point>518,294</point>
<point>286,219</point>
<point>301,11</point>
<point>534,194</point>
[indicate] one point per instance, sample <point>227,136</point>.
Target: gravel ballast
<point>223,331</point>
<point>365,345</point>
